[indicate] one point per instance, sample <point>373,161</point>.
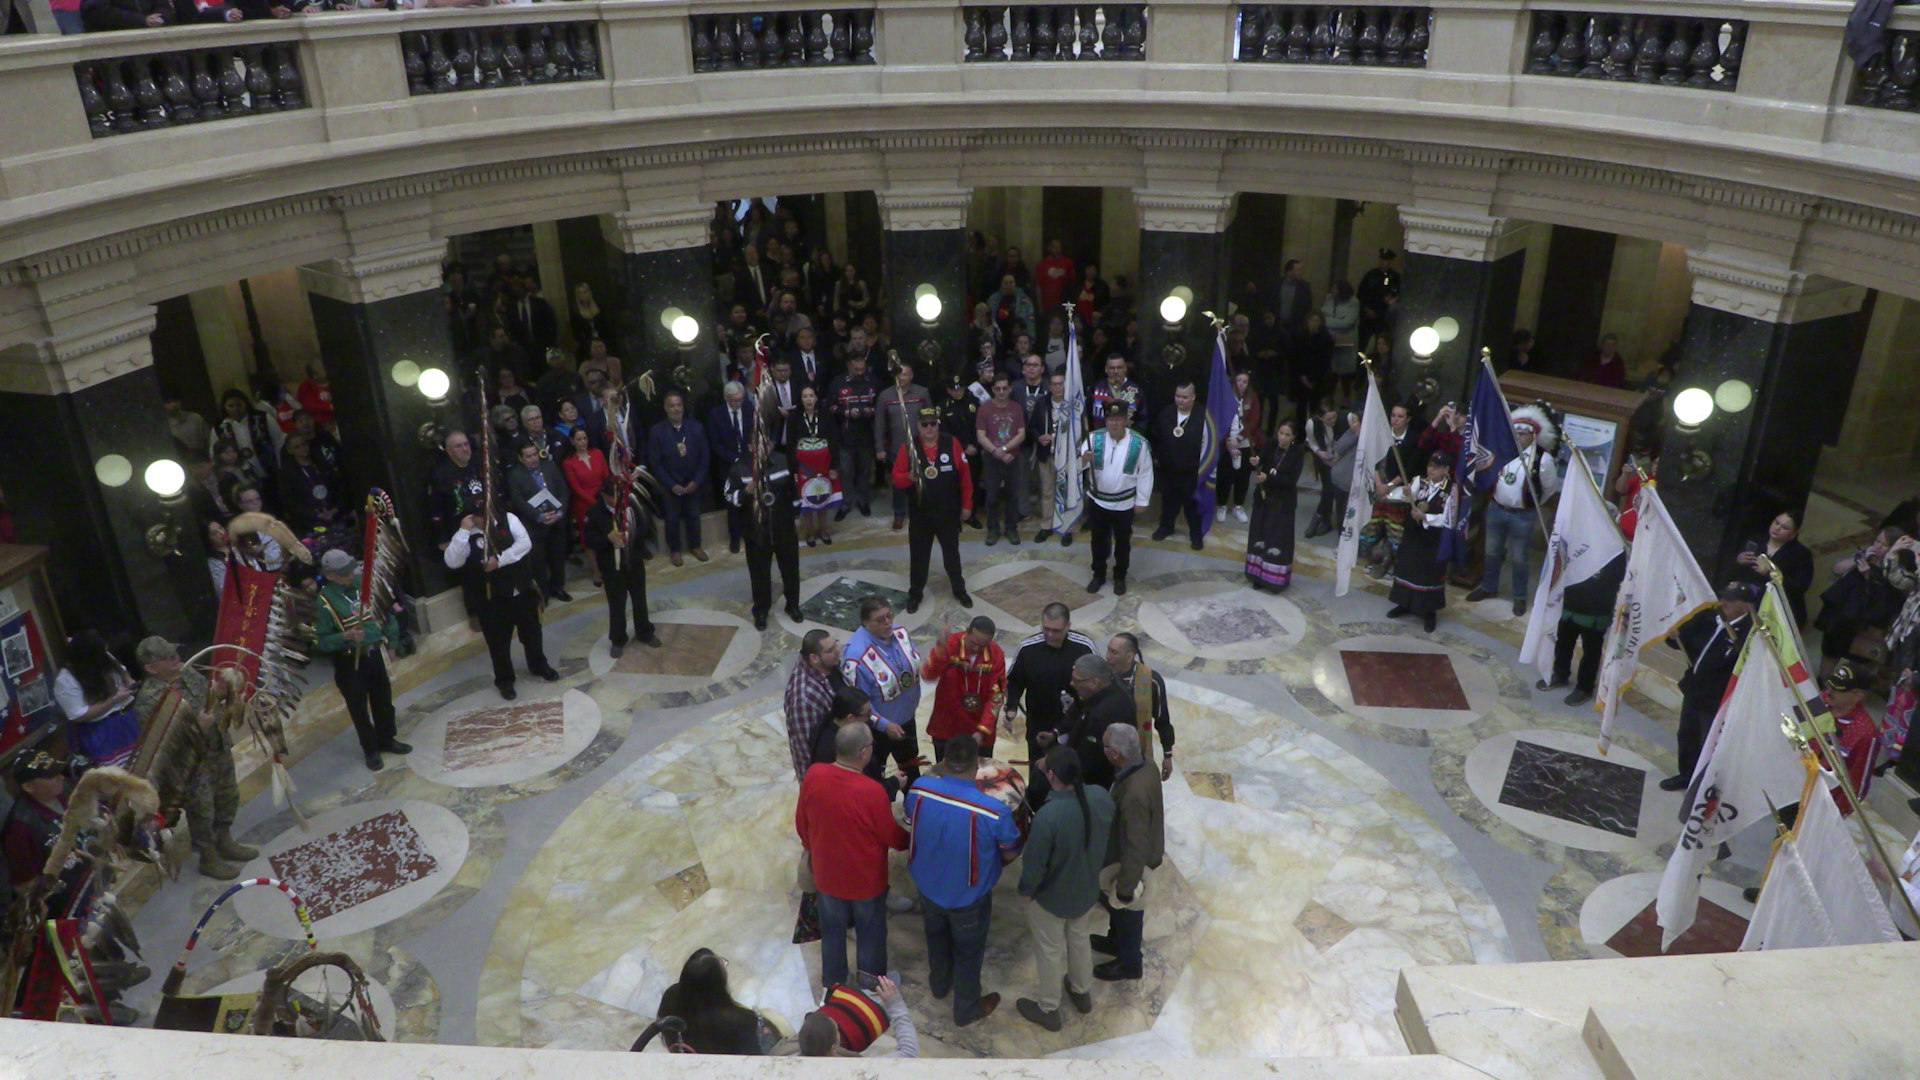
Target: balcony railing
<point>484,57</point>
<point>125,94</point>
<point>1366,36</point>
<point>782,39</point>
<point>1056,32</point>
<point>1887,81</point>
<point>1704,54</point>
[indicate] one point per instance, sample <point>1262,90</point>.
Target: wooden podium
<point>1596,418</point>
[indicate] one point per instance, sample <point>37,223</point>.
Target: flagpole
<point>1539,510</point>
<point>1808,734</point>
<point>1395,445</point>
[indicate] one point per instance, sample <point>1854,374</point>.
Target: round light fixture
<point>1733,396</point>
<point>1447,327</point>
<point>1691,407</point>
<point>667,317</point>
<point>434,384</point>
<point>685,329</point>
<point>405,373</point>
<point>113,470</point>
<point>165,478</point>
<point>1173,309</point>
<point>1424,340</point>
<point>927,305</point>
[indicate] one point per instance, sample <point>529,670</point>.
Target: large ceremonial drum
<point>1004,782</point>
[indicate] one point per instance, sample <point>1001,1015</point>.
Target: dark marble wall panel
<point>1481,297</point>
<point>103,575</point>
<point>380,420</point>
<point>936,257</point>
<point>657,280</point>
<point>1169,260</point>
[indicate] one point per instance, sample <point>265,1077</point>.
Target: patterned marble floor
<point>1351,796</point>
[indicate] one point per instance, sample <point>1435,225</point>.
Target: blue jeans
<point>956,948</point>
<point>1129,930</point>
<point>1508,533</point>
<point>868,918</point>
<point>683,508</point>
<point>899,501</point>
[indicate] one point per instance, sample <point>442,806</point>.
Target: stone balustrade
<point>781,39</point>
<point>486,57</point>
<point>125,94</point>
<point>1056,32</point>
<point>1887,81</point>
<point>1701,53</point>
<point>1317,34</point>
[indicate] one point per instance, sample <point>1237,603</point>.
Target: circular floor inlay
<point>482,741</point>
<point>1222,620</point>
<point>1617,918</point>
<point>327,985</point>
<point>356,867</point>
<point>1557,786</point>
<point>1405,682</point>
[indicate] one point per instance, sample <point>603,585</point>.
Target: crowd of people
<point>87,16</point>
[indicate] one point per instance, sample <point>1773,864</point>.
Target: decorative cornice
<point>380,275</point>
<point>1769,293</point>
<point>920,211</point>
<point>1183,212</point>
<point>1458,236</point>
<point>110,347</point>
<point>663,230</point>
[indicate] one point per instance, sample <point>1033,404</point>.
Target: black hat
<point>37,766</point>
<point>1115,407</point>
<point>1844,678</point>
<point>1741,591</point>
<point>956,382</point>
<point>1386,253</point>
<point>930,414</point>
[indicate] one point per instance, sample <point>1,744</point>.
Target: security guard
<point>958,415</point>
<point>932,469</point>
<point>764,516</point>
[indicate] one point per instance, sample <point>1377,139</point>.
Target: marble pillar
<point>1463,267</point>
<point>925,243</point>
<point>669,265</point>
<point>372,313</point>
<point>87,391</point>
<point>1793,339</point>
<point>1183,242</point>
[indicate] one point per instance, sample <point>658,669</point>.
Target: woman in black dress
<point>1782,546</point>
<point>1419,576</point>
<point>716,1024</point>
<point>1276,480</point>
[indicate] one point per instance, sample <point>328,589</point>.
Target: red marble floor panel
<point>491,736</point>
<point>1714,930</point>
<point>1024,594</point>
<point>1398,680</point>
<point>685,649</point>
<point>356,864</point>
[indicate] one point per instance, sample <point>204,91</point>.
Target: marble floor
<point>1351,796</point>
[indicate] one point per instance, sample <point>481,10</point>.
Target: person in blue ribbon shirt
<point>880,659</point>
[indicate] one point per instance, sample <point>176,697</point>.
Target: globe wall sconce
<point>927,305</point>
<point>166,479</point>
<point>1173,309</point>
<point>113,471</point>
<point>1425,341</point>
<point>1733,396</point>
<point>434,385</point>
<point>405,373</point>
<point>683,327</point>
<point>1691,408</point>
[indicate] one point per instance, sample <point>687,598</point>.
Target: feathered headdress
<point>1536,417</point>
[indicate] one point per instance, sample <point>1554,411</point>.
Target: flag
<point>1583,542</point>
<point>1376,438</point>
<point>1223,411</point>
<point>1747,761</point>
<point>1775,616</point>
<point>1486,445</point>
<point>1066,440</point>
<point>1663,587</point>
<point>1818,891</point>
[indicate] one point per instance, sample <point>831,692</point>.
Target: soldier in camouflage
<point>187,757</point>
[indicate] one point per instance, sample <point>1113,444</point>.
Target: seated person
<point>715,1023</point>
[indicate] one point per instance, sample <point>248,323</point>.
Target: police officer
<point>357,639</point>
<point>931,467</point>
<point>958,415</point>
<point>763,516</point>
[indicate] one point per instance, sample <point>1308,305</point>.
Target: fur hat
<point>1535,417</point>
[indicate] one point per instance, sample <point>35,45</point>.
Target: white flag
<point>1584,541</point>
<point>1376,438</point>
<point>1070,429</point>
<point>1818,891</point>
<point>1662,589</point>
<point>1747,760</point>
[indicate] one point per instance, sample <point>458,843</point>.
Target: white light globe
<point>928,307</point>
<point>1447,327</point>
<point>685,329</point>
<point>405,373</point>
<point>1424,340</point>
<point>1173,309</point>
<point>165,478</point>
<point>113,470</point>
<point>1692,406</point>
<point>434,384</point>
<point>1733,396</point>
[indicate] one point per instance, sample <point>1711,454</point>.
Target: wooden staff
<point>486,481</point>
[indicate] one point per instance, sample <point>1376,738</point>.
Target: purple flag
<point>1486,445</point>
<point>1223,412</point>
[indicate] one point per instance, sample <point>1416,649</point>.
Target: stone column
<point>1793,339</point>
<point>1460,266</point>
<point>77,386</point>
<point>926,244</point>
<point>669,265</point>
<point>1183,243</point>
<point>374,311</point>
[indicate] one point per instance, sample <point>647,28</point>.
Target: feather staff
<point>486,483</point>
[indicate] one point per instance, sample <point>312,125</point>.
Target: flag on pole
<point>1747,761</point>
<point>1376,438</point>
<point>1486,445</point>
<point>1775,616</point>
<point>1223,411</point>
<point>1584,541</point>
<point>1818,891</point>
<point>1071,429</point>
<point>1662,589</point>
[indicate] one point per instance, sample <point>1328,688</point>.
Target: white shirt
<point>72,700</point>
<point>457,548</point>
<point>1511,484</point>
<point>1110,473</point>
<point>812,367</point>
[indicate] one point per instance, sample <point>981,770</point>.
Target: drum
<point>1004,782</point>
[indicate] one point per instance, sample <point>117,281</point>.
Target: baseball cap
<point>155,648</point>
<point>338,562</point>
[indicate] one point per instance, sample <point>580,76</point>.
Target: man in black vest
<point>625,578</point>
<point>764,512</point>
<point>1179,442</point>
<point>1713,640</point>
<point>497,581</point>
<point>931,467</point>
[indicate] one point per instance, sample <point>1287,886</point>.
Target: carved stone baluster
<point>1300,35</point>
<point>119,98</point>
<point>173,86</point>
<point>1546,32</point>
<point>1705,55</point>
<point>816,39</point>
<point>1869,82</point>
<point>863,37</point>
<point>1089,33</point>
<point>1393,43</point>
<point>1066,33</point>
<point>1111,34</point>
<point>206,85</point>
<point>1133,32</point>
<point>146,94</point>
<point>1597,47</point>
<point>1271,45</point>
<point>413,58</point>
<point>1620,64</point>
<point>726,48</point>
<point>1679,48</point>
<point>486,59</point>
<point>840,37</point>
<point>1366,43</point>
<point>561,53</point>
<point>1253,22</point>
<point>1045,45</point>
<point>1567,60</point>
<point>974,37</point>
<point>1020,33</point>
<point>259,80</point>
<point>233,84</point>
<point>586,49</point>
<point>796,40</point>
<point>1345,33</point>
<point>702,42</point>
<point>1653,50</point>
<point>773,43</point>
<point>463,60</point>
<point>1419,37</point>
<point>438,65</point>
<point>288,89</point>
<point>537,58</point>
<point>997,34</point>
<point>92,100</point>
<point>1322,37</point>
<point>749,43</point>
<point>1903,70</point>
<point>1731,56</point>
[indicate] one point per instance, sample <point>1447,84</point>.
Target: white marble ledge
<point>1729,1014</point>
<point>72,1052</point>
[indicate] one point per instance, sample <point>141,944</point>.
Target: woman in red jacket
<point>585,470</point>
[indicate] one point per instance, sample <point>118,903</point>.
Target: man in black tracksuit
<point>931,467</point>
<point>1713,640</point>
<point>1041,671</point>
<point>770,535</point>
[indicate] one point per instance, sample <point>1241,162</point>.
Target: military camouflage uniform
<point>195,770</point>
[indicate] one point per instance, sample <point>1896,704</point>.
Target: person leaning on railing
<point>126,14</point>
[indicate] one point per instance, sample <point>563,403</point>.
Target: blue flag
<point>1486,445</point>
<point>1223,411</point>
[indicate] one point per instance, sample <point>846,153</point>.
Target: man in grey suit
<point>893,424</point>
<point>537,493</point>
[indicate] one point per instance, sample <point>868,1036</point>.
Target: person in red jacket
<point>846,825</point>
<point>316,395</point>
<point>1052,275</point>
<point>971,669</point>
<point>933,468</point>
